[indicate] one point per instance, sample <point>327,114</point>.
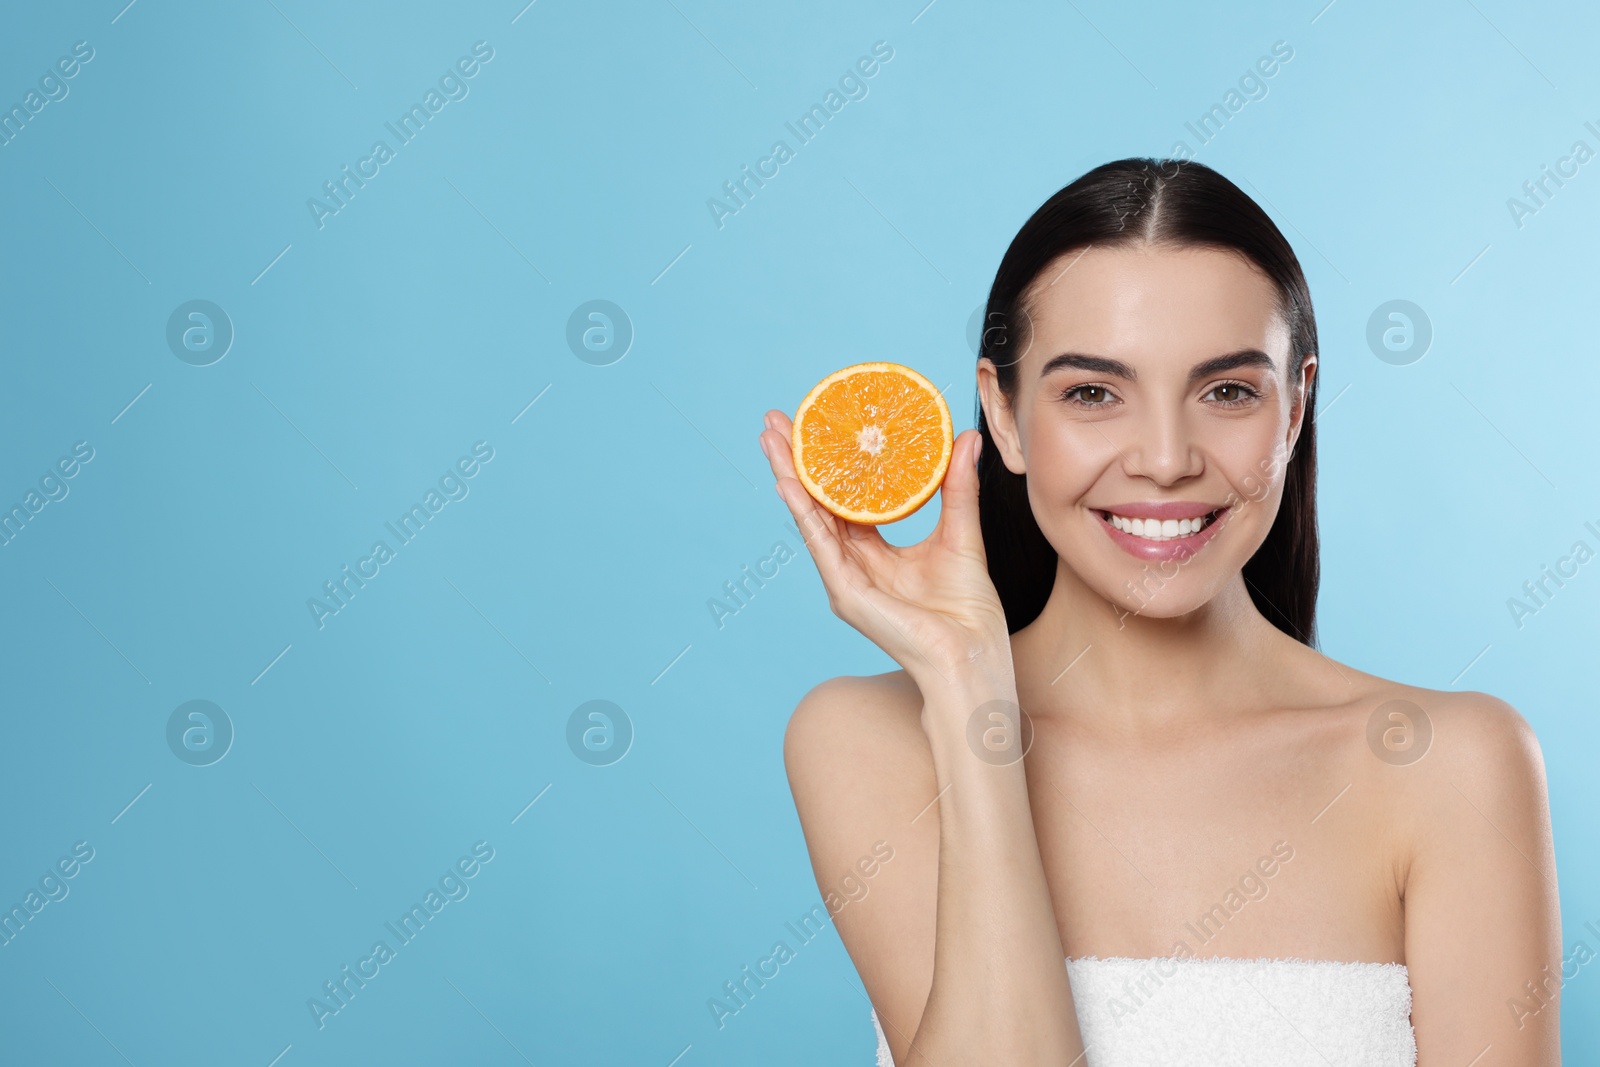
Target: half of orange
<point>872,442</point>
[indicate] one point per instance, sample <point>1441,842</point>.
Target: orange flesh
<point>874,443</point>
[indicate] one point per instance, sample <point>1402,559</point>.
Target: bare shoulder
<point>869,702</point>
<point>1449,768</point>
<point>855,739</point>
<point>1479,734</point>
<point>1451,737</point>
<point>1481,777</point>
<point>1437,733</point>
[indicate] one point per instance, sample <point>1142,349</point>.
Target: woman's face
<point>1154,413</point>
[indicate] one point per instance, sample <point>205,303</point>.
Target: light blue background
<point>430,311</point>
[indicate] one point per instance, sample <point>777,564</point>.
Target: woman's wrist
<point>953,694</point>
<point>977,736</point>
<point>978,667</point>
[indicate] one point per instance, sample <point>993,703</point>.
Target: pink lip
<point>1178,548</point>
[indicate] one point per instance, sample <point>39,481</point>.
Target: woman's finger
<point>775,443</point>
<point>820,532</point>
<point>958,496</point>
<point>818,528</point>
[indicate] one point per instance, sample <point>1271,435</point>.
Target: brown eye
<point>1088,395</point>
<point>1232,394</point>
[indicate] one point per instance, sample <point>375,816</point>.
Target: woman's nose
<point>1164,449</point>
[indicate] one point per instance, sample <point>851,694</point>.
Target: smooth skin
<point>1178,734</point>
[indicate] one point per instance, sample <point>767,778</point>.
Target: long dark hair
<point>1176,202</point>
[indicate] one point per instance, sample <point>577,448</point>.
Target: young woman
<point>1200,841</point>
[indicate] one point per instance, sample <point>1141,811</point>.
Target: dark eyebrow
<point>1248,357</point>
<point>1095,364</point>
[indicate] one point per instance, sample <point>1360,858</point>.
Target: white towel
<point>1168,1012</point>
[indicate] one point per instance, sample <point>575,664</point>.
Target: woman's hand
<point>931,606</point>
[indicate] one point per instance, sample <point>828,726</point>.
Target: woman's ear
<point>998,414</point>
<point>1298,402</point>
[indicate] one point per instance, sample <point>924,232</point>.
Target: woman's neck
<point>1133,671</point>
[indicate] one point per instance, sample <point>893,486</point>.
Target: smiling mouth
<point>1158,530</point>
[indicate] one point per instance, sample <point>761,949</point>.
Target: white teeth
<point>1160,529</point>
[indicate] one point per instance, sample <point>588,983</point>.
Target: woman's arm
<point>1482,918</point>
<point>996,990</point>
<point>999,992</point>
<point>955,937</point>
